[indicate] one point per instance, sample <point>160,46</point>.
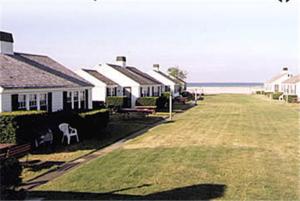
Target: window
<point>111,91</point>
<point>32,101</point>
<point>82,99</point>
<point>22,102</point>
<point>69,97</point>
<point>76,96</point>
<point>167,88</point>
<point>43,101</point>
<point>82,96</point>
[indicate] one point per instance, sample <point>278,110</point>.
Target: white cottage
<point>103,86</point>
<point>37,82</point>
<point>170,84</point>
<point>133,82</point>
<point>274,84</point>
<point>291,86</point>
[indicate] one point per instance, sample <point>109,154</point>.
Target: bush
<point>269,94</point>
<point>159,102</point>
<point>260,92</point>
<point>10,174</point>
<point>147,101</point>
<point>92,122</point>
<point>17,127</point>
<point>116,101</point>
<point>25,127</point>
<point>98,105</point>
<point>188,95</point>
<point>276,95</point>
<point>291,98</point>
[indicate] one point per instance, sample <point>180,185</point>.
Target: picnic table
<point>138,109</point>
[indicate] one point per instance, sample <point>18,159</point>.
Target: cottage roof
<point>276,77</point>
<point>137,71</point>
<point>168,77</point>
<point>100,77</point>
<point>129,72</point>
<point>293,80</point>
<point>22,70</point>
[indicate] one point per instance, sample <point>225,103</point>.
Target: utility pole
<point>195,92</point>
<point>170,105</point>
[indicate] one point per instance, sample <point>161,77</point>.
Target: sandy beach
<point>225,90</point>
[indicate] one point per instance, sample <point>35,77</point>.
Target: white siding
<point>6,102</point>
<point>121,80</point>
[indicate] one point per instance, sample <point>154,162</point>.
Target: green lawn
<point>231,147</point>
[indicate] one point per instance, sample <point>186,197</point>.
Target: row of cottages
<point>120,80</point>
<point>37,82</point>
<point>275,83</point>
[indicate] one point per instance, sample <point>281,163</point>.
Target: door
<point>127,93</point>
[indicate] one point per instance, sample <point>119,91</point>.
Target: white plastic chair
<point>68,132</point>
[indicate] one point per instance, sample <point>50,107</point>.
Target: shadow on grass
<point>194,192</point>
<point>37,165</point>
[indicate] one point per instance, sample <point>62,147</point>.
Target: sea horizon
<point>225,84</point>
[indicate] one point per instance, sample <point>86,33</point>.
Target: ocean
<point>225,84</point>
<point>225,88</point>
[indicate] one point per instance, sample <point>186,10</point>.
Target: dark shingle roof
<point>132,75</point>
<point>293,80</point>
<point>168,77</point>
<point>100,77</point>
<point>7,37</point>
<point>137,71</point>
<point>36,71</point>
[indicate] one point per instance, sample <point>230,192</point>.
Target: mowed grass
<point>231,147</point>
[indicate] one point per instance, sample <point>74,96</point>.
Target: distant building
<point>169,83</point>
<point>133,82</point>
<point>291,86</point>
<point>37,82</point>
<point>274,84</point>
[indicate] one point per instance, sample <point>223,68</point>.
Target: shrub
<point>159,102</point>
<point>98,105</point>
<point>276,95</point>
<point>188,95</point>
<point>147,101</point>
<point>165,94</point>
<point>260,92</point>
<point>269,94</point>
<point>291,98</point>
<point>10,173</point>
<point>18,127</point>
<point>93,121</point>
<point>25,127</point>
<point>116,101</point>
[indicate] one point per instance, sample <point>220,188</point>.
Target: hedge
<point>159,102</point>
<point>276,95</point>
<point>260,92</point>
<point>291,98</point>
<point>24,127</point>
<point>116,101</point>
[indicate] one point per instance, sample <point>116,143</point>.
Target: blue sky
<point>213,40</point>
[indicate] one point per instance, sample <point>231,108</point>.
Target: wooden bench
<point>16,151</point>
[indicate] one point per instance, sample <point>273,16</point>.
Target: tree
<point>177,72</point>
